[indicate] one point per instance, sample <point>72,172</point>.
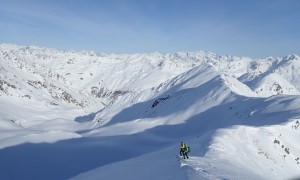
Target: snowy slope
<point>232,136</point>
<point>86,115</point>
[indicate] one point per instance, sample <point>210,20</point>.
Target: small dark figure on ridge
<point>184,150</point>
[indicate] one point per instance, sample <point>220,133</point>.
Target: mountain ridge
<point>180,62</point>
<point>111,114</point>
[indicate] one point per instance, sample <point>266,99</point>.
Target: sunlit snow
<point>87,115</point>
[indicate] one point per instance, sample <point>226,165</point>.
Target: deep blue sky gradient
<point>254,28</point>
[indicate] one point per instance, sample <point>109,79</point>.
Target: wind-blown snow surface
<point>85,115</point>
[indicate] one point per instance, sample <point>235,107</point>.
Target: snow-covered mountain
<point>87,115</point>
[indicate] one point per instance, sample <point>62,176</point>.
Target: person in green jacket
<point>184,150</point>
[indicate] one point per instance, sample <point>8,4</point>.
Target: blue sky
<point>254,28</point>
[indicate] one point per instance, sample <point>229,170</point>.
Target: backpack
<point>187,148</point>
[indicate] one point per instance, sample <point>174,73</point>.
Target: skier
<point>184,150</point>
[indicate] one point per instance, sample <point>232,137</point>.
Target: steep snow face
<point>272,76</point>
<point>288,70</point>
<point>96,115</point>
<point>170,99</point>
<point>232,136</point>
<point>274,84</point>
<point>274,148</point>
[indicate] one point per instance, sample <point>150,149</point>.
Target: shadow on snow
<point>68,158</point>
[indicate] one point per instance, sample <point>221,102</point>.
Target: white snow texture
<point>87,115</point>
